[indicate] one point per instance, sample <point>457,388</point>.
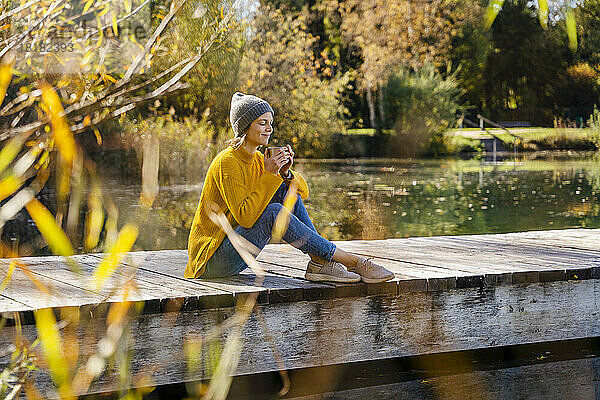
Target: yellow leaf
<point>10,151</point>
<point>60,128</point>
<point>543,13</point>
<point>124,242</point>
<point>59,60</point>
<point>86,58</point>
<point>98,136</point>
<point>63,180</point>
<point>192,349</point>
<point>87,5</point>
<point>150,166</point>
<point>571,29</point>
<point>100,37</point>
<point>115,26</point>
<point>5,77</point>
<point>94,219</point>
<point>283,218</point>
<point>53,234</point>
<point>104,11</point>
<point>128,6</point>
<point>9,185</point>
<point>118,310</point>
<point>52,345</point>
<point>491,12</point>
<point>86,120</point>
<point>6,280</point>
<point>112,217</point>
<point>110,78</point>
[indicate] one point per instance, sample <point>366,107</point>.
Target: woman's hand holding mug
<point>276,158</point>
<point>286,167</point>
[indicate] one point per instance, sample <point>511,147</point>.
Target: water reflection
<point>379,198</point>
<point>432,197</point>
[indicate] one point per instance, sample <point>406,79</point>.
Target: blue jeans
<point>301,233</point>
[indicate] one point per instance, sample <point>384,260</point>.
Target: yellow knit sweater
<point>241,188</point>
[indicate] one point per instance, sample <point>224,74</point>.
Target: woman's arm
<point>302,185</point>
<point>245,203</point>
<point>300,181</point>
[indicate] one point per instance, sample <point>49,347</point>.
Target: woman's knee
<point>272,210</point>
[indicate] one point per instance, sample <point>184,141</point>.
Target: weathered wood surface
<point>338,331</point>
<point>449,293</point>
<point>420,264</point>
<point>541,382</point>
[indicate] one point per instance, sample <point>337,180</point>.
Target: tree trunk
<point>381,111</point>
<point>371,105</point>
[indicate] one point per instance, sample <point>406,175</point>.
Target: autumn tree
<point>394,34</point>
<point>66,68</point>
<point>279,65</point>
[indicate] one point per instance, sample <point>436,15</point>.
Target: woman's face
<point>260,130</point>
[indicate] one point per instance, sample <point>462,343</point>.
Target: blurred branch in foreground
<point>67,68</point>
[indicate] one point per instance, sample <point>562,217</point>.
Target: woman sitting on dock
<point>249,189</point>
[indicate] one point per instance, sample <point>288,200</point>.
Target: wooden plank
<point>484,265</point>
<point>407,278</point>
<point>310,290</point>
<point>171,264</point>
<point>293,263</point>
<point>111,292</point>
<point>480,254</point>
<point>290,256</point>
<point>540,255</point>
<point>501,258</point>
<point>433,264</point>
<point>545,239</point>
<point>275,288</point>
<point>339,331</point>
<point>582,239</point>
<point>172,292</point>
<point>427,258</point>
<point>538,381</point>
<point>55,293</point>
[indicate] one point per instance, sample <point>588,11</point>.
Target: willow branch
<point>28,31</point>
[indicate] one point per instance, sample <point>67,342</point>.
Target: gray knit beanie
<point>245,108</point>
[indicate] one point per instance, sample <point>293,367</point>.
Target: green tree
<point>523,66</point>
<point>214,78</point>
<point>393,33</point>
<point>588,26</point>
<point>279,65</point>
<point>424,105</point>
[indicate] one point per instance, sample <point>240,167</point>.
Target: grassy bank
<point>530,139</point>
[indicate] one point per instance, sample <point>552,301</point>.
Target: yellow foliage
<point>9,185</point>
<point>53,349</point>
<point>6,280</point>
<point>5,77</point>
<point>571,28</point>
<point>94,219</point>
<point>283,218</point>
<point>53,234</point>
<point>124,242</point>
<point>60,128</point>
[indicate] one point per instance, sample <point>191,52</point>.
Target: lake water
<point>384,198</point>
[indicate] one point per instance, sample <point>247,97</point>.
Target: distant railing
<point>481,125</point>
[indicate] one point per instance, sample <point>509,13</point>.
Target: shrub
<point>594,123</point>
<point>423,105</point>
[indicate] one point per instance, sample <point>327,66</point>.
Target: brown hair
<point>236,141</point>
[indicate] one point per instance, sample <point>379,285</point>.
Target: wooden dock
<point>450,293</point>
